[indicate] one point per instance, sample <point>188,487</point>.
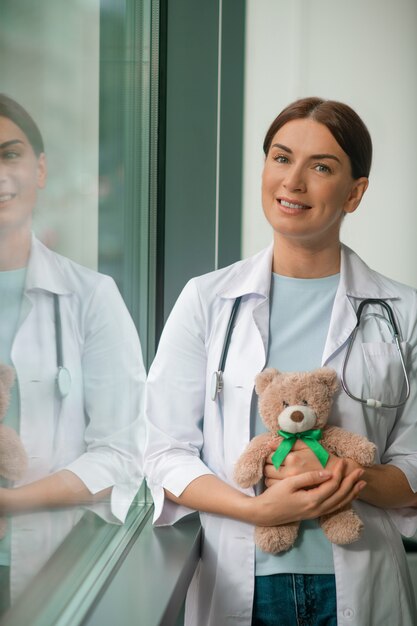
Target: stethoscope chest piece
<point>216,385</point>
<point>217,376</point>
<point>63,381</point>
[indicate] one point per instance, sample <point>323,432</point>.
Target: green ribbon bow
<point>310,437</point>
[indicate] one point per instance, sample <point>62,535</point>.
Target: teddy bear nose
<point>297,416</point>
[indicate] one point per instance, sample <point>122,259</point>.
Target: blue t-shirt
<point>300,311</point>
<point>11,292</point>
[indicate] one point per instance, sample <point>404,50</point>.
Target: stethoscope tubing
<point>217,377</point>
<point>63,376</point>
<point>371,402</point>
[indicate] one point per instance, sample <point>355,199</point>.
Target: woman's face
<point>307,185</point>
<point>22,173</point>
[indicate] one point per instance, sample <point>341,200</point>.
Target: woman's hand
<point>307,495</point>
<point>386,485</point>
<point>300,460</point>
<point>299,497</point>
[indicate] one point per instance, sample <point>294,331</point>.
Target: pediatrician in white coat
<point>82,437</point>
<point>317,161</point>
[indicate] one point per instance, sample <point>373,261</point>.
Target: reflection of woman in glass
<point>81,436</point>
<point>297,317</point>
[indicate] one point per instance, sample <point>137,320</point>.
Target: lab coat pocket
<point>386,376</point>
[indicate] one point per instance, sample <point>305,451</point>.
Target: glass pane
<point>82,71</point>
<point>50,64</point>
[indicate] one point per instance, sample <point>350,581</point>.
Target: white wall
<point>362,52</point>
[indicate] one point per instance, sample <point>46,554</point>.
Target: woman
<point>81,430</point>
<point>317,161</point>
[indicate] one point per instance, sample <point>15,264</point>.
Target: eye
<point>280,158</point>
<point>10,155</point>
<point>285,404</point>
<point>322,168</point>
<point>304,402</point>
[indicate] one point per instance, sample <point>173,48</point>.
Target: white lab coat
<point>95,431</point>
<point>190,435</point>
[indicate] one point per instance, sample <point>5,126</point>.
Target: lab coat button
<point>348,613</point>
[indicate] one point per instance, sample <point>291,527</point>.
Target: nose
<point>3,172</point>
<point>294,180</point>
<point>296,416</point>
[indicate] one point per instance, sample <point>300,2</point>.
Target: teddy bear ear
<point>6,375</point>
<point>263,379</point>
<point>327,376</point>
<point>6,381</point>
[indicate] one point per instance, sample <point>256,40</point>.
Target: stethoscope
<point>392,325</point>
<point>217,377</point>
<point>63,376</point>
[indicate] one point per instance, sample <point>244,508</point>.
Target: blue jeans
<point>295,600</point>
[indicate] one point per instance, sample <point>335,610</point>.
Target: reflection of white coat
<point>94,431</point>
<point>189,435</point>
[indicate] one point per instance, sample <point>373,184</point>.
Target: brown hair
<point>343,122</point>
<point>14,112</point>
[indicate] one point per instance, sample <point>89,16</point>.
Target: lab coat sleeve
<point>401,449</point>
<point>175,395</point>
<point>113,380</point>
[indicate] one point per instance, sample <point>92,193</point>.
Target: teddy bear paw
<point>342,527</point>
<point>368,455</point>
<point>246,476</point>
<point>274,539</point>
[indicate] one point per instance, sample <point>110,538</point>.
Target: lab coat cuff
<point>97,478</point>
<point>409,468</point>
<point>167,512</point>
<point>405,520</point>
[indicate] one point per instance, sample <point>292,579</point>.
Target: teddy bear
<point>13,457</point>
<point>296,405</point>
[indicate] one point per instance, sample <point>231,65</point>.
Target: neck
<point>300,261</point>
<point>14,249</point>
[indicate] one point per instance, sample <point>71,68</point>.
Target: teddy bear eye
<point>285,404</point>
<point>305,402</point>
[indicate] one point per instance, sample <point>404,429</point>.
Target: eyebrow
<point>313,156</point>
<point>12,142</point>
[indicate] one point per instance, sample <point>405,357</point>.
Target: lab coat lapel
<point>248,349</point>
<point>357,282</point>
<point>44,270</point>
<point>253,280</point>
<point>34,355</point>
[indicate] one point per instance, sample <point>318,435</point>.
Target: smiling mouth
<point>5,197</point>
<point>292,205</point>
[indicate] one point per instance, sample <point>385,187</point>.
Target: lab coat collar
<point>45,271</point>
<point>253,275</point>
<point>358,280</point>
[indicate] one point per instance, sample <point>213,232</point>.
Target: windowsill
<point>105,574</point>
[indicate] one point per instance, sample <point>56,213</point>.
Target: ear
<point>263,379</point>
<point>328,377</point>
<point>42,172</point>
<point>359,186</point>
